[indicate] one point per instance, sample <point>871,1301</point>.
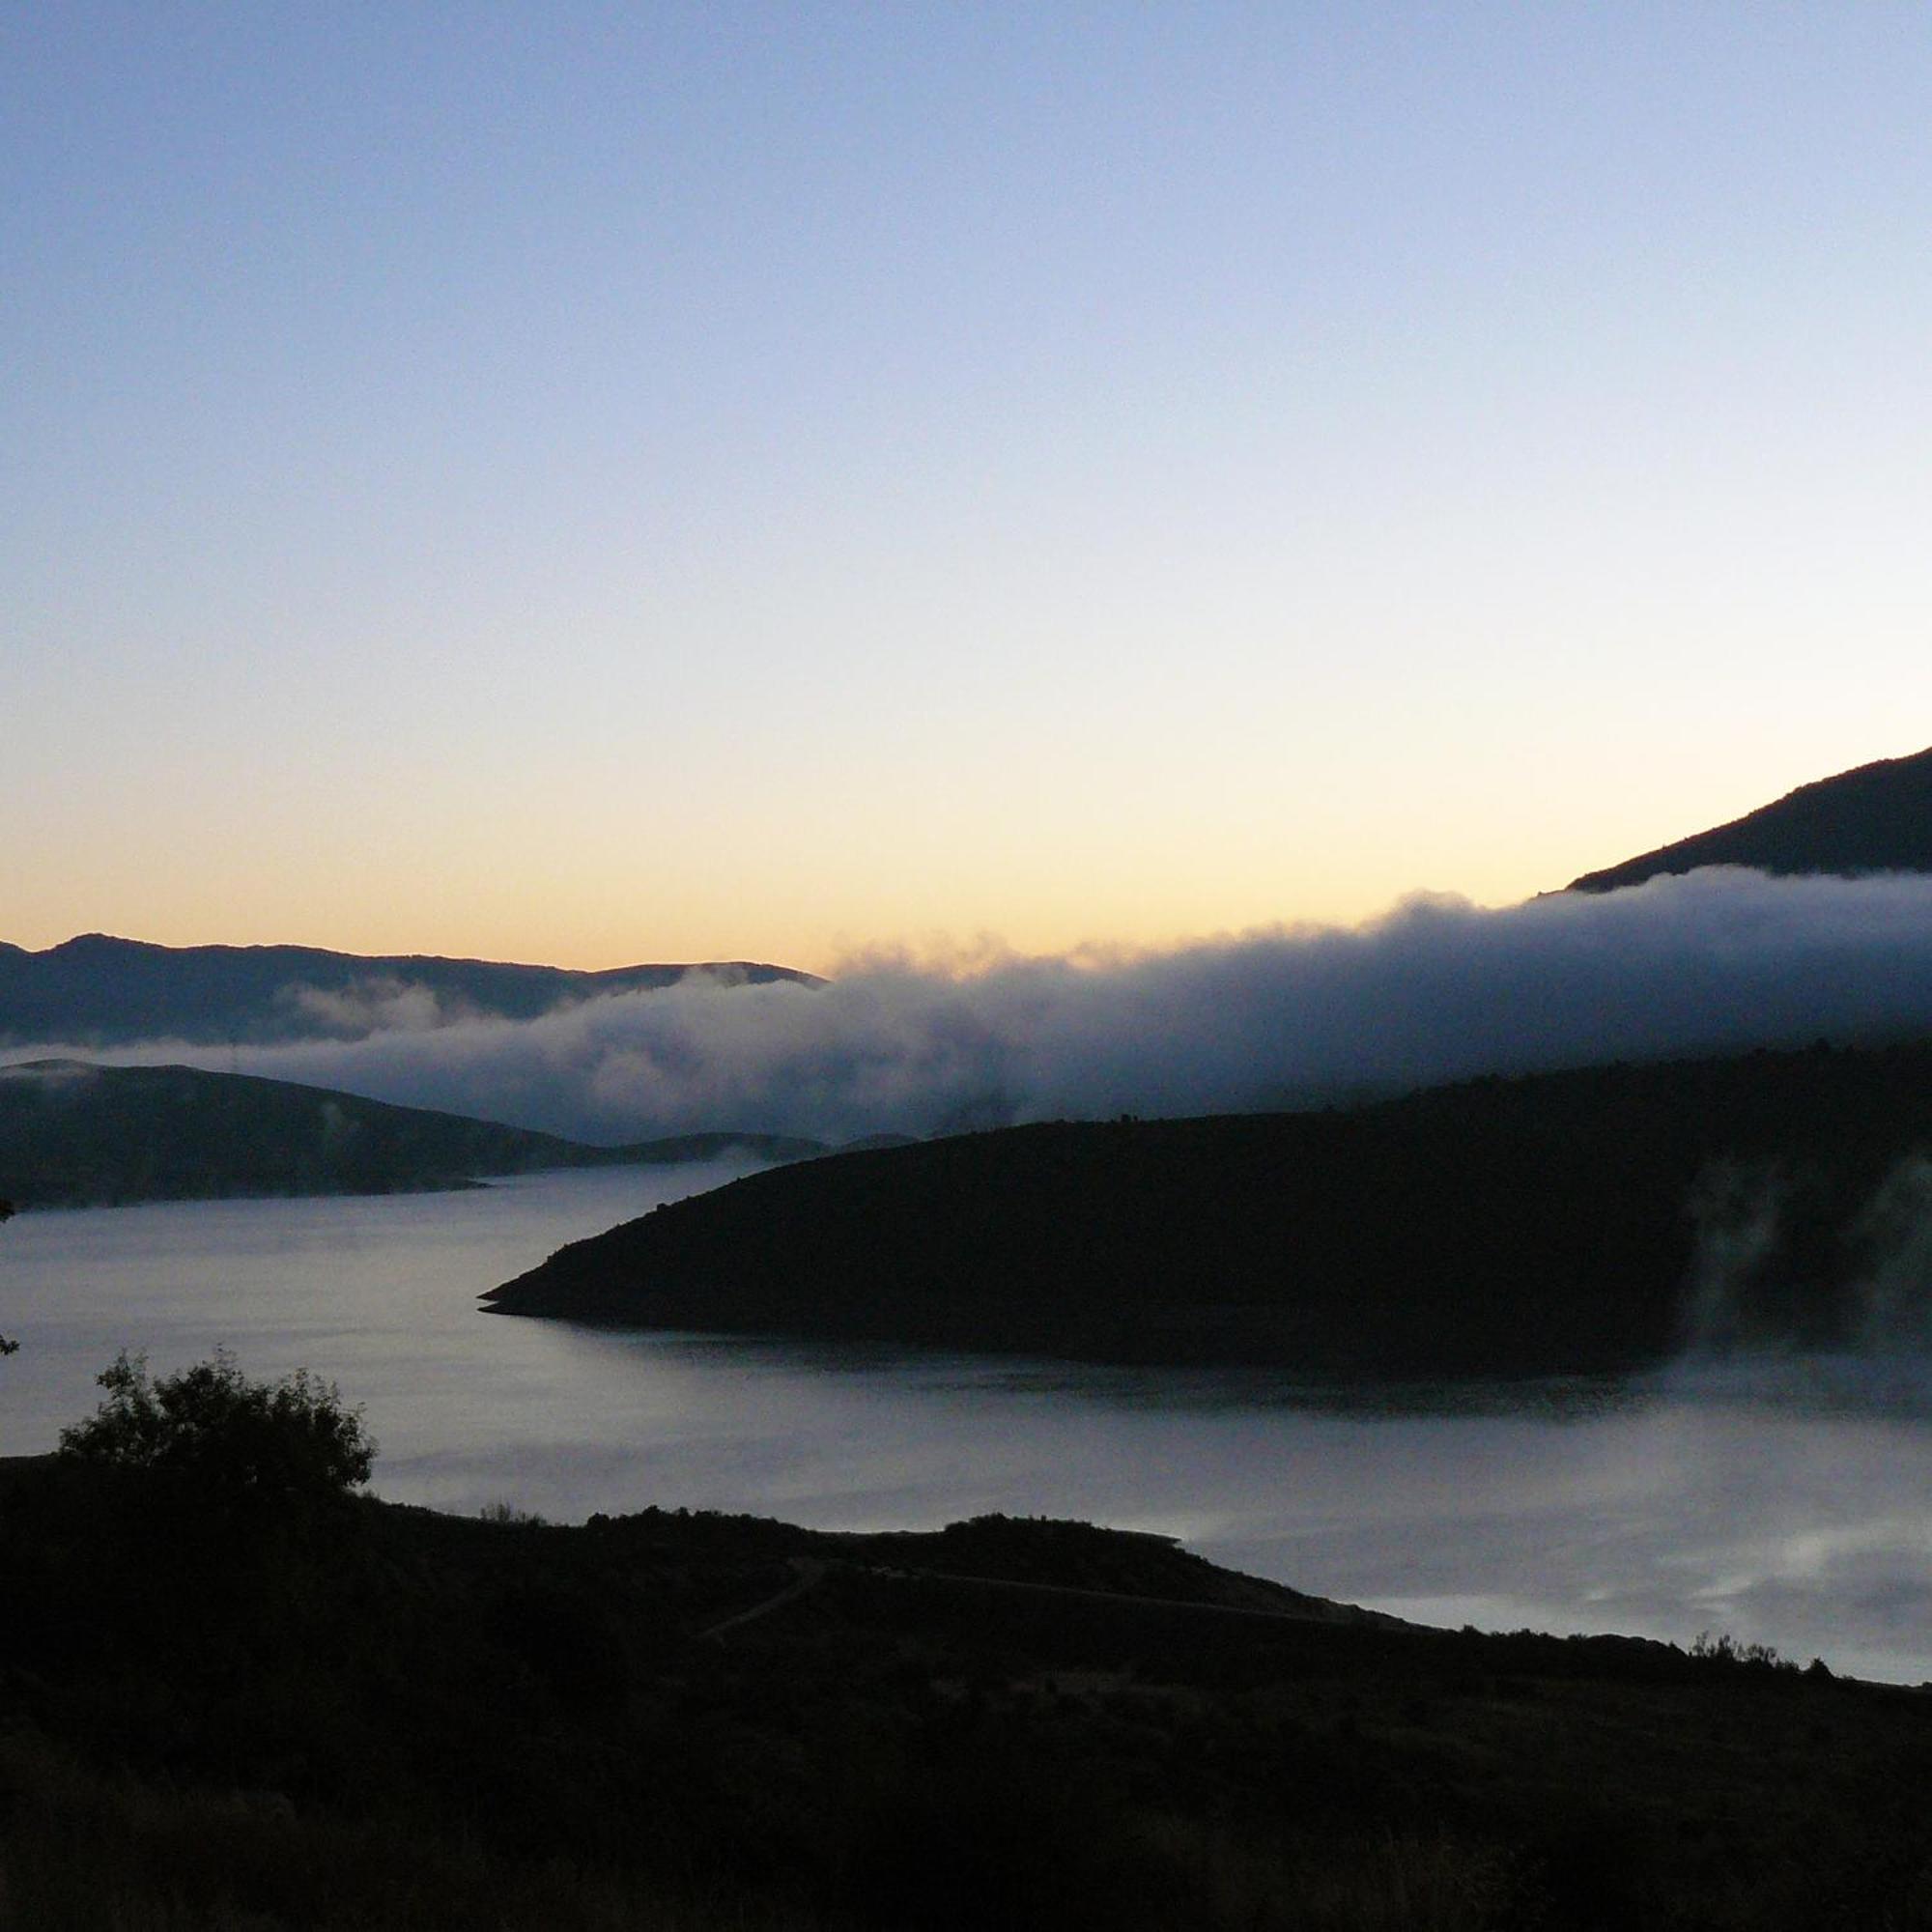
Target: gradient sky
<point>596,483</point>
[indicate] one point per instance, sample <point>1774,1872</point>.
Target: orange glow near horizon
<point>824,892</point>
<point>911,474</point>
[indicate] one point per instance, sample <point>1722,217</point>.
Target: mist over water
<point>1437,989</point>
<point>1876,1322</point>
<point>1784,1501</point>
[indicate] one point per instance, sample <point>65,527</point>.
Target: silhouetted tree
<point>214,1431</point>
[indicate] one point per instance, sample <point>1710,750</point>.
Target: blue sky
<point>598,483</point>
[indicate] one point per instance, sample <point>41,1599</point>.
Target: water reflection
<point>1788,1502</point>
<point>1896,1384</point>
<point>1193,1388</point>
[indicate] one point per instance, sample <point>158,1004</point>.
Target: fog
<point>1435,989</point>
<point>1738,1314</point>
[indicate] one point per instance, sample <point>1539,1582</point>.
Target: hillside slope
<point>72,1133</point>
<point>1542,1225</point>
<point>98,991</point>
<point>1876,819</point>
<point>387,1718</point>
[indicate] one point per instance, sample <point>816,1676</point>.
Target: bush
<point>1725,1649</point>
<point>214,1429</point>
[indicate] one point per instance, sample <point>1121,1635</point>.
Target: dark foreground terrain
<point>213,1715</point>
<point>1553,1224</point>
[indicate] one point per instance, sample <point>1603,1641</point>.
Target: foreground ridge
<point>385,1716</point>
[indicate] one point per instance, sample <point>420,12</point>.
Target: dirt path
<point>812,1570</point>
<point>809,1574</point>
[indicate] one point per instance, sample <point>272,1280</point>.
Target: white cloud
<point>1435,989</point>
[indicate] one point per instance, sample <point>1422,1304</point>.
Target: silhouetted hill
<point>72,1133</point>
<point>1876,819</point>
<point>1547,1224</point>
<point>98,991</point>
<point>382,1717</point>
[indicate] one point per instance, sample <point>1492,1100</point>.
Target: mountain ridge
<point>96,989</point>
<point>1876,817</point>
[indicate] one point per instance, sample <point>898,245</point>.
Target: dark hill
<point>72,1133</point>
<point>381,1717</point>
<point>1542,1225</point>
<point>98,991</point>
<point>1875,819</point>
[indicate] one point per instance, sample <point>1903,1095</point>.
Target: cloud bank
<point>1435,989</point>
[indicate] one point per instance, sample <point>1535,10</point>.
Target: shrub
<point>214,1429</point>
<point>507,1516</point>
<point>1725,1649</point>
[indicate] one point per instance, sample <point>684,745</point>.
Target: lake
<point>1787,1503</point>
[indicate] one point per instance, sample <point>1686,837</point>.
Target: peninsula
<point>1570,1222</point>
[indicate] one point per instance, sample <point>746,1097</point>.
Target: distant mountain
<point>1536,1226</point>
<point>98,991</point>
<point>1876,819</point>
<point>72,1133</point>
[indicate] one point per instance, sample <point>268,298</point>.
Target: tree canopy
<point>214,1429</point>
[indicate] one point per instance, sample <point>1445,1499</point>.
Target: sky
<point>598,483</point>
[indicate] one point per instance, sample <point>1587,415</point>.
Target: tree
<point>211,1430</point>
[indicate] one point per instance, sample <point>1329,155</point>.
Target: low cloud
<point>1435,989</point>
<point>379,1005</point>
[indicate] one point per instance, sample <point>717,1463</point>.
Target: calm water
<point>1790,1505</point>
